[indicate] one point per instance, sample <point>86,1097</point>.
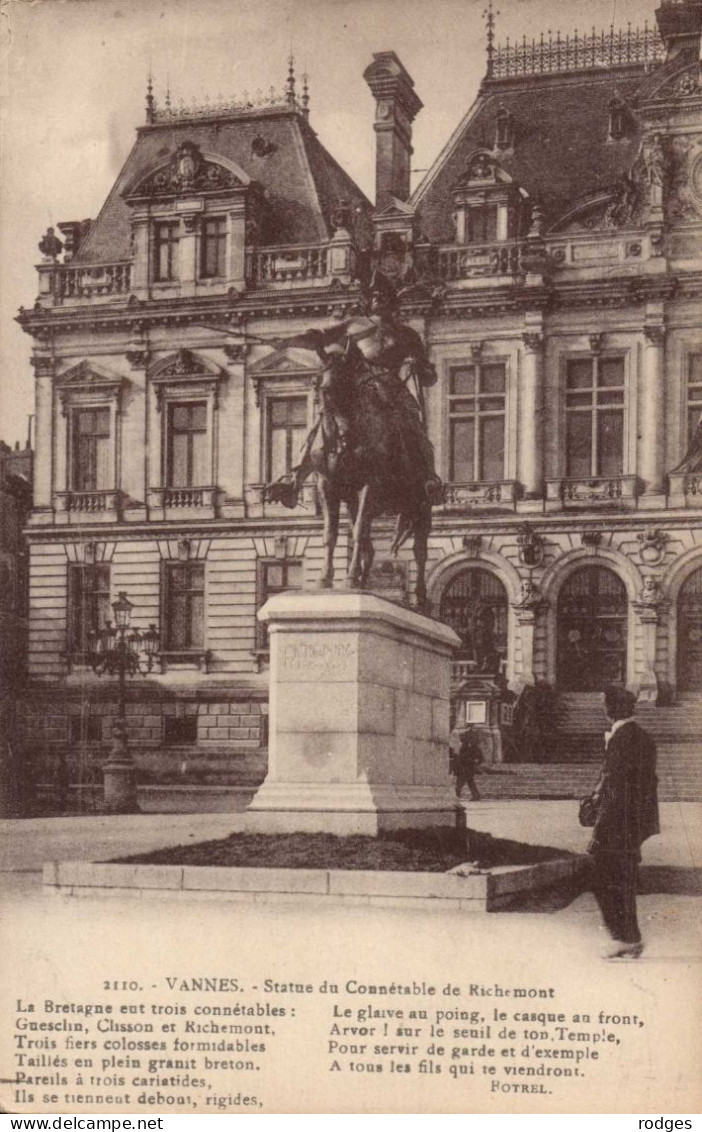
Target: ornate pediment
<point>482,170</point>
<point>619,207</point>
<point>182,365</point>
<point>187,172</point>
<point>685,83</point>
<point>284,362</point>
<point>84,376</point>
<point>395,209</point>
<point>299,365</point>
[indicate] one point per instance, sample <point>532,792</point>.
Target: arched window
<point>474,604</point>
<point>690,633</point>
<point>592,630</point>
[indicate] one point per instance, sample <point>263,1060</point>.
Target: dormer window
<point>488,204</point>
<point>190,219</point>
<point>481,224</point>
<point>618,120</point>
<point>166,238</point>
<point>504,129</point>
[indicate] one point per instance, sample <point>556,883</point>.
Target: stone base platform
<point>359,716</point>
<point>432,892</point>
<point>346,809</point>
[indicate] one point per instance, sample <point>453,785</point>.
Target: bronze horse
<point>364,451</point>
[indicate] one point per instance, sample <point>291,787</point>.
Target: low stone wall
<point>438,892</point>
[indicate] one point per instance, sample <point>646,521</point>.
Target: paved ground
<point>26,844</point>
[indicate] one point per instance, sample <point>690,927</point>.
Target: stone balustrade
<point>591,491</point>
<point>176,502</point>
<point>685,490</point>
<point>469,261</point>
<point>88,504</point>
<point>257,507</point>
<point>62,283</point>
<point>271,267</point>
<point>479,496</point>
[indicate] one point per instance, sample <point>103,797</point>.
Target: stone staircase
<point>578,750</point>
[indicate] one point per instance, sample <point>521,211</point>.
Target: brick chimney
<point>397,106</point>
<point>680,26</point>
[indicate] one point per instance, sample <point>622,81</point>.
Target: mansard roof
<point>302,183</point>
<point>561,149</point>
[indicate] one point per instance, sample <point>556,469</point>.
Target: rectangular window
<point>477,397</point>
<point>91,449</point>
<point>184,606</point>
<point>694,396</point>
<point>287,428</point>
<point>186,462</point>
<point>481,225</point>
<point>166,236</point>
<point>213,247</point>
<point>88,605</point>
<point>594,417</point>
<point>275,577</point>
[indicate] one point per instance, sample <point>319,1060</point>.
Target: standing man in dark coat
<point>627,814</point>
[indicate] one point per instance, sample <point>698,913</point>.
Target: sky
<point>73,81</point>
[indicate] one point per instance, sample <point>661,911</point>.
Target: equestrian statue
<point>369,445</point>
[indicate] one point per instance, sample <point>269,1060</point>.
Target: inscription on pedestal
<point>318,659</point>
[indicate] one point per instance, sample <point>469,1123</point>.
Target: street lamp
<point>117,651</point>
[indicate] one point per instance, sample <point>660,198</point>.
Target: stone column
<point>531,404</point>
<point>43,431</point>
<point>652,411</point>
<point>359,716</point>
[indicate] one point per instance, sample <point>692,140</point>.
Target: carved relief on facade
<point>531,546</point>
<point>652,546</point>
<point>685,197</point>
<point>187,172</point>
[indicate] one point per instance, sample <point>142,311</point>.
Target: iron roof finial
<point>490,15</point>
<point>150,105</point>
<point>290,85</point>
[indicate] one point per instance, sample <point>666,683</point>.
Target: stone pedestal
<point>359,716</point>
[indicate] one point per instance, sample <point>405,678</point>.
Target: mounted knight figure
<point>369,444</point>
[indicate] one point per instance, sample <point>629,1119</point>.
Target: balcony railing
<point>274,266</point>
<point>479,496</point>
<point>592,491</point>
<point>257,507</point>
<point>470,261</point>
<point>88,503</point>
<point>685,489</point>
<point>182,498</point>
<point>102,281</point>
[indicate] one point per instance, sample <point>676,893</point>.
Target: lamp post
<point>116,650</point>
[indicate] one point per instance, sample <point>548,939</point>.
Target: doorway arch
<point>689,616</point>
<point>475,605</point>
<point>592,630</point>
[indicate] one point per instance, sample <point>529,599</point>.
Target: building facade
<point>551,259</point>
<point>15,507</point>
